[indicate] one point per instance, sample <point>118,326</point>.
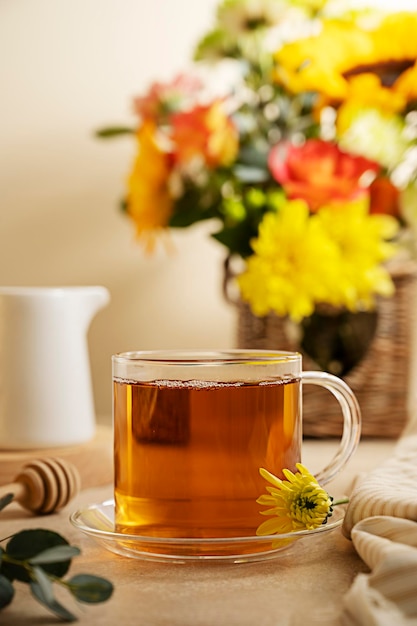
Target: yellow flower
<point>389,52</point>
<point>406,84</point>
<point>298,503</point>
<point>149,203</point>
<point>334,256</point>
<point>362,241</point>
<point>395,38</point>
<point>293,264</point>
<point>366,90</point>
<point>306,65</point>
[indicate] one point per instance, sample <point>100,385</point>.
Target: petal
<point>272,511</point>
<point>266,500</point>
<point>274,480</point>
<point>274,526</point>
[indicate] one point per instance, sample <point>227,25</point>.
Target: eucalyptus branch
<point>41,558</point>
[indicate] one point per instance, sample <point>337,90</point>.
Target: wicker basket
<point>380,380</point>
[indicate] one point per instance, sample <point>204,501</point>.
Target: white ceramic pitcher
<point>46,396</point>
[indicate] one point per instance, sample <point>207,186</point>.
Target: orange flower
<point>385,197</point>
<point>149,203</point>
<point>204,132</point>
<point>319,172</point>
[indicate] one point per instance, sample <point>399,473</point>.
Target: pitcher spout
<point>94,298</point>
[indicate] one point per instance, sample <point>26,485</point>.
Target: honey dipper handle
<point>19,490</point>
<point>44,485</point>
<point>28,489</point>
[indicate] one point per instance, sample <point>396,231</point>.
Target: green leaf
<point>44,583</point>
<point>196,205</point>
<point>6,591</point>
<point>88,588</point>
<point>187,215</point>
<point>114,131</point>
<point>5,500</point>
<point>186,218</point>
<point>27,544</point>
<point>55,555</point>
<point>41,589</point>
<point>237,238</point>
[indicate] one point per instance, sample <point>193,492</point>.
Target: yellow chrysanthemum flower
<point>149,202</point>
<point>298,503</point>
<point>363,240</point>
<point>333,257</point>
<point>294,263</point>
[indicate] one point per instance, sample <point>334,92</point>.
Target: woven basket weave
<point>380,380</point>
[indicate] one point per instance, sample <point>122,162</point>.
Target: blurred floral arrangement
<point>296,133</point>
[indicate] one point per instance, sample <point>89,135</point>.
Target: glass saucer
<point>97,521</point>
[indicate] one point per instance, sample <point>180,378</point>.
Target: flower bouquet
<point>295,133</point>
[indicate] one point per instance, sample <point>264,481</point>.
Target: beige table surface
<point>303,585</point>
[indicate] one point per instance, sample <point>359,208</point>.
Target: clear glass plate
<point>97,521</point>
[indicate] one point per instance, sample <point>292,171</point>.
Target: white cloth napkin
<point>381,520</point>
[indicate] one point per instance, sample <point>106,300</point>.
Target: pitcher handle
<point>351,420</point>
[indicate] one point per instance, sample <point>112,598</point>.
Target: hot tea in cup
<point>193,428</point>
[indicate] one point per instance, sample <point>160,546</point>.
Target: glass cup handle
<point>351,421</point>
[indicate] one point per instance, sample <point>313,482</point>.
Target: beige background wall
<point>68,67</point>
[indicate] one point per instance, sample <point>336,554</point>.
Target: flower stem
<point>342,501</point>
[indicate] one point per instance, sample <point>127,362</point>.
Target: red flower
<point>385,197</point>
<point>319,172</point>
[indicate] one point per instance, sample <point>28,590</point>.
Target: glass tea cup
<point>192,429</point>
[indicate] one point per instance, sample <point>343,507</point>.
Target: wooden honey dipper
<point>44,485</point>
